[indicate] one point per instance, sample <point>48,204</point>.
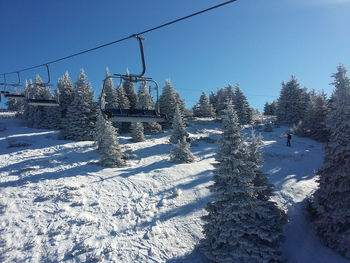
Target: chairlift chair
<point>7,93</point>
<point>133,115</point>
<point>44,102</point>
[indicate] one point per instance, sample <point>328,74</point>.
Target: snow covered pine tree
<point>331,202</point>
<point>203,108</point>
<point>292,102</point>
<point>241,106</point>
<point>179,129</point>
<point>137,132</point>
<point>107,143</point>
<point>66,92</point>
<point>168,101</point>
<point>80,120</point>
<point>238,227</point>
<point>145,102</point>
<point>181,152</point>
<point>39,116</point>
<point>111,96</point>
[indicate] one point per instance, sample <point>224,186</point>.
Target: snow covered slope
<point>57,204</point>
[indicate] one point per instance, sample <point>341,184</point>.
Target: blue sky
<point>255,43</point>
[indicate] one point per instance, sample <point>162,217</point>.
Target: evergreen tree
<point>270,109</point>
<point>224,96</point>
<point>100,123</point>
<point>267,110</point>
<point>313,125</point>
<point>320,130</point>
<point>168,101</point>
<point>107,143</point>
<point>80,120</point>
<point>28,114</point>
<point>181,152</point>
<point>213,98</point>
<point>179,129</point>
<point>52,122</point>
<point>123,101</point>
<point>255,157</point>
<point>331,201</point>
<point>145,102</point>
<point>40,117</point>
<point>292,103</point>
<point>239,226</point>
<point>65,90</point>
<point>15,104</point>
<point>111,98</point>
<point>130,93</point>
<point>203,108</point>
<point>137,132</point>
<point>242,108</point>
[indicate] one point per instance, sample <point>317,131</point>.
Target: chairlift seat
<point>134,115</point>
<point>14,96</point>
<point>48,103</point>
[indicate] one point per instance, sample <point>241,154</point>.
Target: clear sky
<point>257,43</point>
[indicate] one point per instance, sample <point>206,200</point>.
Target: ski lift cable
<point>125,38</point>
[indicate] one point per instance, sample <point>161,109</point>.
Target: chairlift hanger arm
<point>139,40</point>
<point>47,83</point>
<point>136,77</point>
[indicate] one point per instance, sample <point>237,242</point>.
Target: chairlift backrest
<point>44,102</point>
<point>7,93</point>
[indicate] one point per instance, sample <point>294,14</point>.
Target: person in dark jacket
<point>289,137</point>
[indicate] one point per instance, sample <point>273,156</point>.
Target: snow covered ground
<point>57,204</point>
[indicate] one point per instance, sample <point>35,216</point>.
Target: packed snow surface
<point>58,205</point>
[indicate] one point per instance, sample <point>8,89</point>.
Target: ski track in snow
<point>58,205</point>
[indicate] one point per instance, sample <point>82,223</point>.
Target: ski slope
<point>58,205</point>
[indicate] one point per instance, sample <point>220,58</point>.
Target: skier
<point>289,137</point>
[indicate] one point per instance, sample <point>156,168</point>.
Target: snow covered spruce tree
<point>331,202</point>
<point>168,101</point>
<point>123,101</point>
<point>224,96</point>
<point>80,120</point>
<point>28,113</point>
<point>203,108</point>
<point>145,102</point>
<point>239,225</point>
<point>130,93</point>
<point>213,99</point>
<point>179,129</point>
<point>255,157</point>
<point>137,132</point>
<point>270,108</point>
<point>313,124</point>
<point>107,143</point>
<point>181,152</point>
<point>65,90</point>
<point>292,103</point>
<point>39,116</point>
<point>111,98</point>
<point>16,104</point>
<point>276,218</point>
<point>241,106</point>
